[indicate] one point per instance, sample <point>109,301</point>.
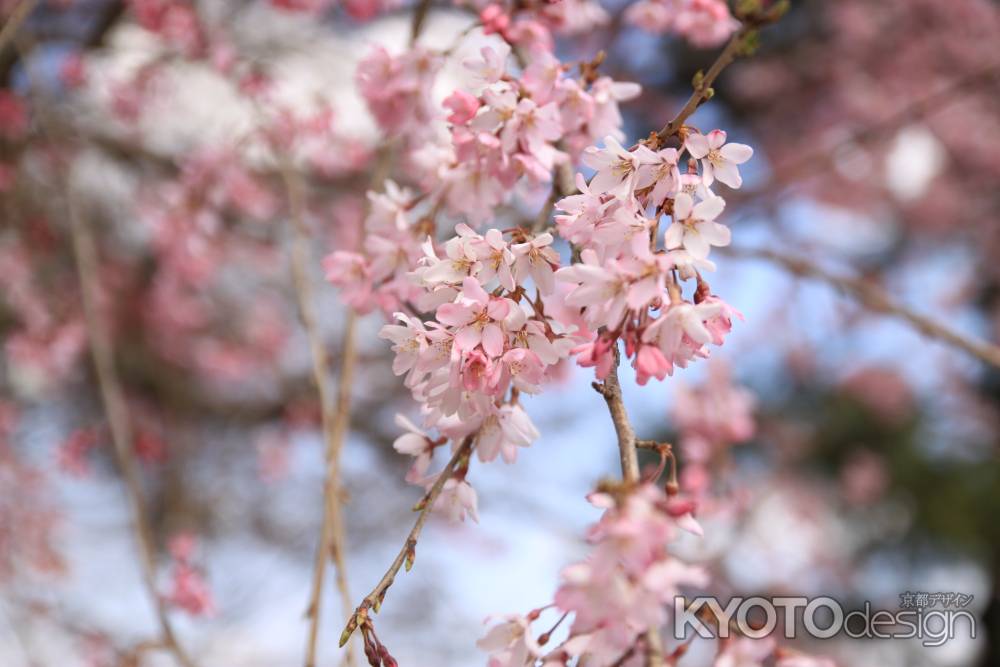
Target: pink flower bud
<point>463,107</point>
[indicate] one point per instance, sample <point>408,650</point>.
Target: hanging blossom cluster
<point>500,326</point>
<point>622,591</point>
<point>515,131</point>
<point>505,309</point>
<point>704,23</point>
<point>490,314</point>
<point>629,282</point>
<point>188,589</point>
<point>489,342</point>
<point>711,418</point>
<point>517,127</point>
<point>619,592</point>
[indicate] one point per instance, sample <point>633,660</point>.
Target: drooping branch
<point>740,43</point>
<point>878,300</point>
<point>116,411</point>
<point>335,419</point>
<point>611,390</point>
<point>406,555</point>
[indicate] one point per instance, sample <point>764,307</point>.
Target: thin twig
<point>876,299</point>
<point>116,411</point>
<point>407,553</point>
<point>701,92</point>
<point>17,18</point>
<point>335,419</point>
<point>703,84</point>
<point>417,21</point>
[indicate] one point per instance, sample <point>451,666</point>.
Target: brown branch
<point>373,600</point>
<point>738,44</point>
<point>611,390</point>
<point>417,20</point>
<point>335,418</point>
<point>876,299</point>
<point>116,410</point>
<point>14,22</point>
<point>703,86</point>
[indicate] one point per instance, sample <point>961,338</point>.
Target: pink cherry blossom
<point>536,259</point>
<point>462,105</point>
<point>416,444</point>
<point>510,643</point>
<point>619,171</point>
<point>719,160</point>
<point>694,227</point>
<point>457,500</point>
<point>492,66</point>
<point>478,318</point>
<point>503,431</point>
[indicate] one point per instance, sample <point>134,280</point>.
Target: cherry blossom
<point>694,227</point>
<point>457,500</point>
<point>510,642</point>
<point>719,160</point>
<point>619,171</point>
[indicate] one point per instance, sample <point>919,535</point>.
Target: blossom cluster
<point>621,590</point>
<point>489,342</point>
<point>710,418</point>
<point>704,23</point>
<point>518,127</point>
<point>500,326</point>
<point>490,338</point>
<point>629,280</point>
<point>510,126</point>
<point>188,589</point>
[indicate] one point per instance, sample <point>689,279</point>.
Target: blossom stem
<point>116,411</point>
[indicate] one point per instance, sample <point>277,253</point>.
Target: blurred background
<point>872,466</point>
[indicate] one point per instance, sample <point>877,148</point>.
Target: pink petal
<point>710,208</point>
<point>682,206</point>
<point>697,145</point>
<point>714,233</point>
<point>674,236</point>
<point>736,153</point>
<point>493,340</point>
<point>642,292</point>
<point>454,314</point>
<point>471,289</point>
<point>467,338</point>
<point>716,138</point>
<point>696,245</point>
<point>729,173</point>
